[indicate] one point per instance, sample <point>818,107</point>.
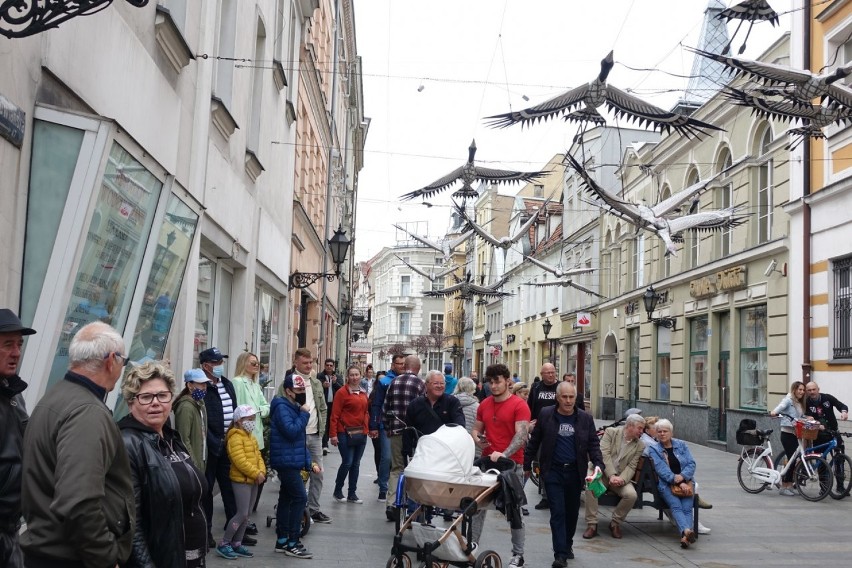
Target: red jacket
<point>349,410</point>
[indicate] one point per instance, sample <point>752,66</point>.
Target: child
<point>247,472</point>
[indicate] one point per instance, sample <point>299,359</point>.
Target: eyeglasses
<point>148,397</point>
<point>123,358</point>
<point>254,363</point>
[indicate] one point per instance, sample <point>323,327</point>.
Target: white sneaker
<point>516,562</point>
<point>788,492</point>
<point>702,529</point>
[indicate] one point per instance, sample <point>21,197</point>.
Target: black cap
<point>9,323</point>
<point>209,355</point>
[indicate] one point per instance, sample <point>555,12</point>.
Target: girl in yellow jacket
<point>247,472</point>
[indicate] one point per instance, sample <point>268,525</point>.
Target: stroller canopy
<point>447,455</point>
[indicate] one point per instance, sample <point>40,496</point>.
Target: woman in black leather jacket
<point>171,530</point>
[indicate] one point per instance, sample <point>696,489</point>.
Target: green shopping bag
<point>595,484</point>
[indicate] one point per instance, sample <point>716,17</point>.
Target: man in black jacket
<point>13,421</point>
<point>433,409</point>
<point>822,407</point>
<point>542,395</point>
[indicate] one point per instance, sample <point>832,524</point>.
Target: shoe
<point>376,481</point>
<point>383,496</point>
<point>242,551</point>
<point>702,529</point>
<point>788,492</point>
<point>390,513</point>
<point>320,517</point>
<point>687,537</point>
<point>702,504</point>
<point>226,552</point>
<point>251,529</point>
<point>249,541</point>
<point>560,563</point>
<point>325,451</point>
<point>295,550</point>
<point>615,530</point>
<point>516,562</point>
<point>591,532</point>
<point>543,504</point>
<point>340,498</point>
<point>525,512</point>
<point>570,555</point>
<point>354,499</point>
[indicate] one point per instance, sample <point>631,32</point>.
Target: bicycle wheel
<point>841,467</point>
<point>748,461</point>
<point>813,478</point>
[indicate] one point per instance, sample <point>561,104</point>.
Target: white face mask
<point>248,426</point>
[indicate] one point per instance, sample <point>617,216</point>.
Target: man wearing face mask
<point>220,402</point>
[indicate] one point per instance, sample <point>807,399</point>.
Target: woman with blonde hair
<point>249,391</point>
<point>790,408</point>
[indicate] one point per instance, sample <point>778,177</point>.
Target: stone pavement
<point>747,530</point>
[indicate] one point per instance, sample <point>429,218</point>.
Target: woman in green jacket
<point>191,416</point>
<point>245,381</point>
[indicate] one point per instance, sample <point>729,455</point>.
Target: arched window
<point>693,240</point>
<point>763,198</point>
<point>724,200</point>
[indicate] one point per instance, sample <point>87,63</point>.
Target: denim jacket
<point>786,406</point>
<point>661,464</point>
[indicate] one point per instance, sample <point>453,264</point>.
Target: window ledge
<point>171,40</point>
<point>222,118</point>
<point>291,113</point>
<point>278,74</point>
<point>253,166</point>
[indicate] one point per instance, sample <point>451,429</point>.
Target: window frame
<point>841,331</point>
<point>694,355</point>
<point>761,382</point>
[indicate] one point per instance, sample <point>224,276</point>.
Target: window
<point>404,323</point>
<point>842,308</point>
<point>664,363</point>
<point>267,316</point>
<point>538,190</point>
<point>253,140</point>
<point>436,323</point>
<point>764,189</point>
<point>633,369</point>
<point>227,41</point>
<point>667,258</point>
<point>405,286</point>
<point>177,10</point>
<point>639,261</point>
<point>698,368</point>
<point>434,359</point>
<point>725,201</point>
<point>694,238</point>
<point>753,360</point>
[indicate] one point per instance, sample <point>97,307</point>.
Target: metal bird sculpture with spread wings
<point>799,86</point>
<point>565,284</point>
<point>469,173</point>
<point>445,247</point>
<point>504,243</point>
<point>581,103</point>
<point>431,275</point>
<point>555,270</point>
<point>750,11</point>
<point>465,289</point>
<point>654,218</point>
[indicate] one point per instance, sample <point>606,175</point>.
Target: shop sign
<point>631,308</point>
<point>12,122</point>
<point>723,281</point>
<point>584,319</point>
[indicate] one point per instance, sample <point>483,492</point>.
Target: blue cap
<point>195,376</point>
<point>209,355</point>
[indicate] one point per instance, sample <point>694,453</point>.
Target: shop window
<point>699,373</point>
<point>753,359</point>
<point>842,332</point>
<point>587,370</point>
<point>664,363</point>
<point>266,329</point>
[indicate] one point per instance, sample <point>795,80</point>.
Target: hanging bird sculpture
<point>750,11</point>
<point>469,173</point>
<point>431,275</point>
<point>557,271</point>
<point>565,284</point>
<point>799,86</point>
<point>654,218</point>
<point>465,289</point>
<point>504,243</point>
<point>581,104</point>
<point>445,246</point>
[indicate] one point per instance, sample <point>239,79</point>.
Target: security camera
<point>771,268</point>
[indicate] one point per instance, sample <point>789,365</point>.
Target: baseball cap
<point>195,376</point>
<point>244,411</point>
<point>294,382</point>
<point>209,355</point>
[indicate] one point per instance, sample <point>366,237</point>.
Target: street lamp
<point>338,246</point>
<point>651,298</point>
<point>23,19</point>
<point>547,327</point>
<point>487,336</point>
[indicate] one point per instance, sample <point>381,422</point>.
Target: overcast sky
<point>475,58</point>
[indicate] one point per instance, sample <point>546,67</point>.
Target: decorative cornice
<point>171,40</point>
<point>253,166</point>
<point>278,74</point>
<point>222,118</point>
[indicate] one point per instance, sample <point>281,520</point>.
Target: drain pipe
<point>806,218</point>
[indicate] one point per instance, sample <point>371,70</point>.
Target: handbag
<point>679,491</point>
<point>356,435</point>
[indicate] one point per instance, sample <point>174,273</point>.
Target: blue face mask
<point>198,394</point>
<point>218,371</point>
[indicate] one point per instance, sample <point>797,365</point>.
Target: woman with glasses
<point>250,392</point>
<point>171,530</point>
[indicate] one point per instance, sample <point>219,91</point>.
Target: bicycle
<point>840,463</point>
<point>812,475</point>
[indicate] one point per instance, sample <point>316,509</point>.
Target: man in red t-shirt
<point>504,420</point>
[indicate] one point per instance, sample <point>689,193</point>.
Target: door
<point>722,367</point>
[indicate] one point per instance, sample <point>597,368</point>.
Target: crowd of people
<point>94,492</point>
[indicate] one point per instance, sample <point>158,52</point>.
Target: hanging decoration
<point>24,18</point>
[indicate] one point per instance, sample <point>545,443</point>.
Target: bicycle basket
<point>807,430</point>
<point>748,438</point>
<point>747,424</point>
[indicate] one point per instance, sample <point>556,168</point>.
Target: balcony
<point>401,301</point>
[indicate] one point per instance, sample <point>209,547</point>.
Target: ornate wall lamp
<point>20,18</point>
<point>338,246</point>
<point>650,298</point>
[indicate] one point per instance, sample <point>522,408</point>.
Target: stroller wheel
<point>488,559</point>
<point>269,520</point>
<point>401,561</point>
<point>306,523</point>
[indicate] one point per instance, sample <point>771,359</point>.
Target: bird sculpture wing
<point>584,289</point>
<point>488,291</point>
<point>454,244</point>
<point>435,187</point>
<point>623,104</point>
<point>750,10</point>
<point>447,271</point>
<point>618,206</point>
<point>509,176</point>
<point>706,221</point>
<point>543,265</point>
<point>768,73</point>
<point>770,109</point>
<point>415,269</point>
<point>423,240</point>
<point>449,290</point>
<point>477,229</point>
<point>524,229</point>
<point>564,283</point>
<point>550,108</point>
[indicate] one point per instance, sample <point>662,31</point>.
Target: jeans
<point>219,469</point>
<point>244,495</point>
<point>564,485</point>
<point>350,463</point>
<point>291,504</point>
<point>681,507</point>
<point>314,442</point>
<point>383,467</point>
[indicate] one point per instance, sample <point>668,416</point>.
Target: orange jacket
<point>246,461</point>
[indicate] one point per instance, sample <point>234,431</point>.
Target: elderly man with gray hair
<point>621,448</point>
<point>77,490</point>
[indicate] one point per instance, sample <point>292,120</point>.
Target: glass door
<point>723,370</point>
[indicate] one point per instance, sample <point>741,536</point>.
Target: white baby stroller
<point>442,474</point>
